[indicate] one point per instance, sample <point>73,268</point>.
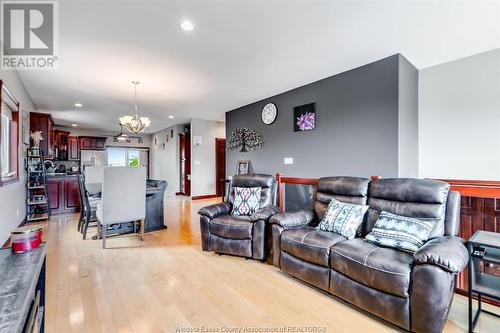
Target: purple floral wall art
<point>304,117</point>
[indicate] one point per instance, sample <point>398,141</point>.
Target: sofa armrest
<point>293,219</point>
<point>212,211</point>
<point>264,213</point>
<point>449,253</point>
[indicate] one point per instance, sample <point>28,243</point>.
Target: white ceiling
<point>240,51</point>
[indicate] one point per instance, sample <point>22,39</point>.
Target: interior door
<point>220,164</point>
<point>185,163</point>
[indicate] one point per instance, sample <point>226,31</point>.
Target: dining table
<point>154,220</point>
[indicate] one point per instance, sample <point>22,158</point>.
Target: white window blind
<point>5,144</point>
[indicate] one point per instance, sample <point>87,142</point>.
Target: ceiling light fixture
<point>78,105</point>
<point>134,123</point>
<point>121,136</point>
<point>170,117</point>
<point>74,125</point>
<point>187,25</point>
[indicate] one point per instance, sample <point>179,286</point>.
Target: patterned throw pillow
<point>400,232</point>
<point>343,218</point>
<point>246,200</point>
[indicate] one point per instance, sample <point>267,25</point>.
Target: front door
<point>220,164</point>
<point>185,163</point>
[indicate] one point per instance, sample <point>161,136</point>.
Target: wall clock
<point>269,113</point>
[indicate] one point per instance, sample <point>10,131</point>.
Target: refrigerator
<point>92,158</point>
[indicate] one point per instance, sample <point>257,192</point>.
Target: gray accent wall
<point>357,130</point>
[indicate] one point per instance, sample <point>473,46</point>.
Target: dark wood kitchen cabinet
<point>64,196</point>
<point>43,122</point>
<point>93,142</point>
<point>73,148</point>
<point>53,187</point>
<point>61,145</point>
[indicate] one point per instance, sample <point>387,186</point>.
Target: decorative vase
<point>35,151</point>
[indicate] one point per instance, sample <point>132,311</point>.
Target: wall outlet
<point>288,160</point>
<point>197,162</point>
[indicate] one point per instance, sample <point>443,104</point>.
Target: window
<point>133,158</point>
<point>117,157</point>
<point>9,138</point>
<point>127,157</point>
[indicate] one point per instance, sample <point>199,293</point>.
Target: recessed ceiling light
<point>74,125</point>
<point>78,105</point>
<point>170,117</point>
<point>187,25</point>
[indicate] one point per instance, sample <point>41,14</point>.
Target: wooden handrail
<point>467,188</point>
<point>281,180</point>
<point>467,182</point>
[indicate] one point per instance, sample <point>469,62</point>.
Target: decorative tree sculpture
<point>244,139</point>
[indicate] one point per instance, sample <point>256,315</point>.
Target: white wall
<point>165,161</point>
<point>203,156</point>
<point>459,118</point>
<point>13,196</point>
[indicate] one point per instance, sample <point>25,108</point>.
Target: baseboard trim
<point>7,242</point>
<point>200,197</point>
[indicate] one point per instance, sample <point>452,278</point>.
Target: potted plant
<point>36,136</point>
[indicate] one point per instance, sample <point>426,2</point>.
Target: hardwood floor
<point>166,283</point>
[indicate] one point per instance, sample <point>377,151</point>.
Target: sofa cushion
<point>246,200</point>
<point>343,218</point>
<point>266,183</point>
<point>344,189</point>
<point>380,268</point>
<point>230,226</point>
<point>424,199</point>
<point>310,244</point>
<point>400,232</point>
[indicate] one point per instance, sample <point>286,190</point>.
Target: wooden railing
<point>475,188</point>
<point>479,210</point>
<point>282,180</point>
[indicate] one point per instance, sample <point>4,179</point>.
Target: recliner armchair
<point>246,236</point>
<point>412,291</point>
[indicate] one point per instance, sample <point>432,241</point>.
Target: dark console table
<point>22,291</point>
<point>484,246</point>
<point>155,192</point>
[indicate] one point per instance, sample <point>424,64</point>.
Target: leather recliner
<point>413,292</point>
<point>246,236</point>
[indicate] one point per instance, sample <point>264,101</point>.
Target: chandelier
<point>134,123</point>
<point>121,136</point>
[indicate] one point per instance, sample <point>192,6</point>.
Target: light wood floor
<point>167,282</point>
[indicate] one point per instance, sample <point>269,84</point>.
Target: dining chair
<point>123,199</point>
<point>88,208</point>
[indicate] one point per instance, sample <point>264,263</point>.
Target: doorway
<point>220,165</point>
<point>185,164</point>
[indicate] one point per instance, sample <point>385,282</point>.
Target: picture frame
<point>304,117</point>
<point>243,167</point>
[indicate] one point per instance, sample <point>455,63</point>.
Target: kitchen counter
<point>21,275</point>
<point>61,175</point>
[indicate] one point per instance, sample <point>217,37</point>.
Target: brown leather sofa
<point>246,236</point>
<point>413,292</point>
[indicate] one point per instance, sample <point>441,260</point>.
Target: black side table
<point>483,246</point>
